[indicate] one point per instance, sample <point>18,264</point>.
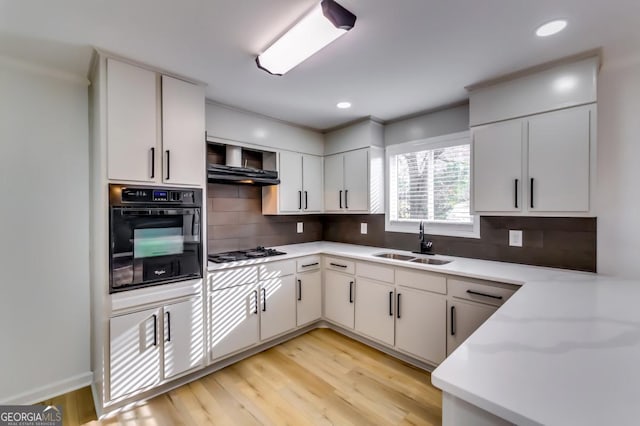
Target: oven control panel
<point>157,195</point>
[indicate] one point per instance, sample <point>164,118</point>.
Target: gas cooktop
<point>254,253</point>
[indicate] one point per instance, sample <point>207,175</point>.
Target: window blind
<point>431,184</point>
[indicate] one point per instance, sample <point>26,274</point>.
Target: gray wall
<point>44,229</point>
<point>429,125</point>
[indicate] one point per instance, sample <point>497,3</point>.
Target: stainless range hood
<point>234,173</point>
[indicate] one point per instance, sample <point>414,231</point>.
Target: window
<point>430,181</point>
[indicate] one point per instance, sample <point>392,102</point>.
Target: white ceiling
<point>402,56</point>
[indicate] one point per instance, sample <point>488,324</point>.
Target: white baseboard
<point>51,390</point>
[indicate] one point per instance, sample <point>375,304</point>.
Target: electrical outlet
<point>363,228</point>
<point>515,238</point>
<point>300,227</point>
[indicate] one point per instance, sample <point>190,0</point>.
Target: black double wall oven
<point>155,236</point>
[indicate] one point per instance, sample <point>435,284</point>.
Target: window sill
<point>435,228</point>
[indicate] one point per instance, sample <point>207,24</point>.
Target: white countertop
<point>511,273</point>
<point>565,349</point>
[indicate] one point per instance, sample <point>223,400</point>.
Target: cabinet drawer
<point>481,291</point>
<point>276,269</point>
<point>422,281</point>
<point>233,277</point>
<point>375,272</point>
<point>337,264</point>
<point>308,263</point>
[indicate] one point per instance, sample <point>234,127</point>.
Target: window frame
<point>435,227</point>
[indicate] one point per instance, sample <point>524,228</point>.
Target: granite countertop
<point>564,349</point>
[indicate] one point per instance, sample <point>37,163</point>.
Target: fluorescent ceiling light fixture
<point>551,28</point>
<point>343,105</point>
<point>323,24</point>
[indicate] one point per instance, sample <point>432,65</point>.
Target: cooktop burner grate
<point>234,256</point>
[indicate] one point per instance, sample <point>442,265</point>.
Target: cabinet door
<point>290,187</point>
<point>497,167</point>
<point>278,306</point>
<point>312,183</point>
<point>309,298</point>
<point>334,183</point>
<point>183,337</point>
<point>134,348</point>
<point>375,310</point>
<point>183,144</point>
<point>356,180</point>
<point>559,144</point>
<point>234,319</point>
<point>421,324</point>
<point>132,115</point>
<point>339,298</point>
<point>463,319</point>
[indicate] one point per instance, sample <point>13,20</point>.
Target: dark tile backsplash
<point>568,243</point>
<point>235,221</point>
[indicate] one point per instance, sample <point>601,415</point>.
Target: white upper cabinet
<point>183,144</point>
<point>356,180</point>
<point>333,182</point>
<point>354,169</point>
<point>540,165</point>
<point>290,188</point>
<point>155,127</point>
<point>534,144</point>
<point>300,189</point>
<point>353,181</point>
<point>312,172</point>
<point>497,171</point>
<point>132,130</point>
<point>559,148</point>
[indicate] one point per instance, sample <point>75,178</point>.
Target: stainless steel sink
<point>394,256</point>
<point>429,261</point>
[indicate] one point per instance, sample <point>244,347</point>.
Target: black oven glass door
<point>154,245</point>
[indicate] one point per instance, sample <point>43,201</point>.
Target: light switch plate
<point>300,227</point>
<point>363,228</point>
<point>515,238</point>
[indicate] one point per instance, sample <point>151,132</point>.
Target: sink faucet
<point>425,246</point>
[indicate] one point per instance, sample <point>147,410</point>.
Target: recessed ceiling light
<point>551,28</point>
<point>343,105</point>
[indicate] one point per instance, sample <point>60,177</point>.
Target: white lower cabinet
<point>339,298</point>
<point>278,306</point>
<point>183,337</point>
<point>463,319</point>
<point>134,352</point>
<point>374,311</point>
<point>421,324</point>
<point>138,339</point>
<point>235,323</point>
<point>309,297</point>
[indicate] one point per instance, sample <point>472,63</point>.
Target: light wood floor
<point>320,378</point>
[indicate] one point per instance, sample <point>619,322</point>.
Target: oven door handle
<point>157,212</point>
